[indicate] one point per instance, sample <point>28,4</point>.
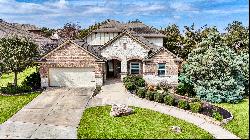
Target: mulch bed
<point>207,108</point>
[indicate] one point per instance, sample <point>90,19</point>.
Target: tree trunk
<point>15,79</point>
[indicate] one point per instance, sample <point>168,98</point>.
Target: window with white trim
<point>161,69</point>
<point>134,68</point>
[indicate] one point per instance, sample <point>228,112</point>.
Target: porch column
<point>124,69</point>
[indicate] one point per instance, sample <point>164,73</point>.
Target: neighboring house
<point>24,30</point>
<point>112,51</point>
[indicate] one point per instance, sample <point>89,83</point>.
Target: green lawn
<point>97,123</point>
<point>9,105</point>
<point>9,78</point>
<point>240,123</point>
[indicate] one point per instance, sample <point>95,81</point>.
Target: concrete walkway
<point>113,92</point>
<point>54,114</point>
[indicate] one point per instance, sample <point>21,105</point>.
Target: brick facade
<point>151,69</point>
<point>69,55</point>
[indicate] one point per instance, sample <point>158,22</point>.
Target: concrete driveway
<point>54,114</point>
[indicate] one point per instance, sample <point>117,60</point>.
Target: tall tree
<point>237,36</point>
<point>69,31</point>
<point>16,54</point>
<point>190,40</point>
<point>173,39</point>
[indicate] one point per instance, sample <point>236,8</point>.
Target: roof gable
<point>63,45</point>
<point>162,49</point>
<point>129,35</point>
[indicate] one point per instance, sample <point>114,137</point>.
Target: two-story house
<point>114,50</point>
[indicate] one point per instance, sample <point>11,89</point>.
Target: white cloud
<point>62,3</point>
<point>177,17</point>
<point>227,11</point>
<point>182,6</point>
<point>96,10</point>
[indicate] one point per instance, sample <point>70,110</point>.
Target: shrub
<point>216,71</point>
<point>169,100</point>
<point>140,82</point>
<point>183,104</point>
<point>195,106</point>
<point>217,116</point>
<point>158,97</point>
<point>150,95</point>
<point>130,86</point>
<point>141,92</point>
<point>137,81</point>
<point>33,81</point>
<point>10,89</point>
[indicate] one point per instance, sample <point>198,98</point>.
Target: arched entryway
<point>113,68</point>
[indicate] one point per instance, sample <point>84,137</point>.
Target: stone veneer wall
<point>151,69</point>
<point>70,55</point>
<point>124,49</point>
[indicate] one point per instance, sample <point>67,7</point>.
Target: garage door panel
<point>72,77</point>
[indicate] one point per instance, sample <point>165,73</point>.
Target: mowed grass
<point>9,78</point>
<point>9,105</point>
<point>97,123</point>
<point>240,123</point>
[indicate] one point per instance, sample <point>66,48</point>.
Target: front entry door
<point>113,68</point>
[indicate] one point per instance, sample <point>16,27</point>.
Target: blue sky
<point>157,13</point>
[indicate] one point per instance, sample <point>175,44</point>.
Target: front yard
<point>97,123</point>
<point>9,78</point>
<point>240,123</point>
<point>9,105</point>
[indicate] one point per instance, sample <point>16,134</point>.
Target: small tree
<point>16,54</point>
<point>216,71</point>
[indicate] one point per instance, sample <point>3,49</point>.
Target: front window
<point>135,68</point>
<point>161,69</point>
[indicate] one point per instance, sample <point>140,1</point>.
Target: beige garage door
<point>72,77</point>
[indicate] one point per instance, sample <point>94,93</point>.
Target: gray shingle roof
<point>45,45</point>
<point>93,49</point>
<point>7,29</point>
<point>136,27</point>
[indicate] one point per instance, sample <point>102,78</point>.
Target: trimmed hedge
<point>10,89</point>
